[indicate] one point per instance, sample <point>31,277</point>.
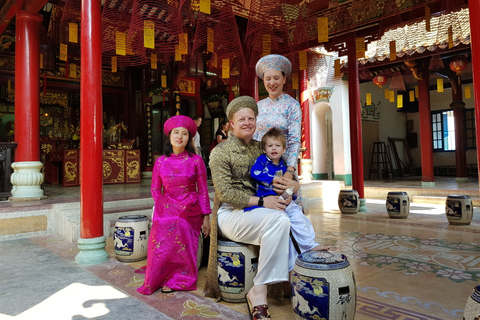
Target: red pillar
<point>474,7</point>
<point>355,119</point>
<point>304,103</point>
<point>91,151</point>
<point>27,86</point>
<point>199,109</point>
<point>459,118</point>
<point>252,89</point>
<point>426,140</point>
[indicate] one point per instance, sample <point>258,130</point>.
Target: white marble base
<point>27,180</point>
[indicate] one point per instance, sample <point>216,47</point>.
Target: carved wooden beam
<point>7,12</point>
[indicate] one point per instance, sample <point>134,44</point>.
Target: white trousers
<point>302,231</point>
<point>266,228</point>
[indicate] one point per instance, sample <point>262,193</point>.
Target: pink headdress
<point>273,61</point>
<point>180,121</point>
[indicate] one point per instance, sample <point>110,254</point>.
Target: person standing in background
<point>196,139</point>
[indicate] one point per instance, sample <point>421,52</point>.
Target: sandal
<point>167,291</point>
<point>259,312</point>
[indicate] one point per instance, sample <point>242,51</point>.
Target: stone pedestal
<point>307,168</point>
<point>92,251</point>
<point>27,180</point>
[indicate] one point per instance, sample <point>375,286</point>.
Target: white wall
<point>318,137</point>
<point>342,164</point>
<point>391,123</point>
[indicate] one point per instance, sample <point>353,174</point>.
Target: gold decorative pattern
<point>70,170</point>
<point>115,78</point>
<point>133,169</point>
<point>149,117</point>
<point>70,153</point>
<point>50,98</point>
<point>107,169</point>
<point>46,148</point>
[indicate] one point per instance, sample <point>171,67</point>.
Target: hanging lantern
<point>458,65</point>
<point>380,80</point>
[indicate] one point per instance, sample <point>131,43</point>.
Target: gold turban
<point>239,103</point>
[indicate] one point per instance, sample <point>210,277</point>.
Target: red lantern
<point>458,65</point>
<point>380,80</point>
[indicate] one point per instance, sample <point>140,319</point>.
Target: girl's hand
<point>206,225</point>
<point>288,175</point>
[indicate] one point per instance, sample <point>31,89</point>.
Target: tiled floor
<point>415,268</point>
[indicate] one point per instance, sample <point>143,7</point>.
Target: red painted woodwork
<point>91,187</point>
<point>5,20</point>
<point>426,140</point>
<point>474,7</point>
<point>460,139</point>
<point>199,108</point>
<point>27,86</point>
<point>355,120</point>
<point>304,103</point>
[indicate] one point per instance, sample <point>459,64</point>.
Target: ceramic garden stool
<point>131,238</point>
<point>398,205</point>
<point>459,209</point>
<point>323,287</point>
<point>237,266</point>
<point>348,201</point>
<point>472,308</point>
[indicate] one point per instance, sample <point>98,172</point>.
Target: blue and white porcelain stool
<point>348,201</point>
<point>459,209</point>
<point>398,205</point>
<point>323,287</point>
<point>472,308</point>
<point>131,238</point>
<point>237,266</point>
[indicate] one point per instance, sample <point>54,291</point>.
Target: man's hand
<point>274,202</point>
<point>280,184</point>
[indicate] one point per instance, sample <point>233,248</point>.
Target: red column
<point>304,103</point>
<point>91,151</point>
<point>355,119</point>
<point>474,7</point>
<point>426,140</point>
<point>27,86</point>
<point>459,118</point>
<point>199,109</point>
<point>252,89</point>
